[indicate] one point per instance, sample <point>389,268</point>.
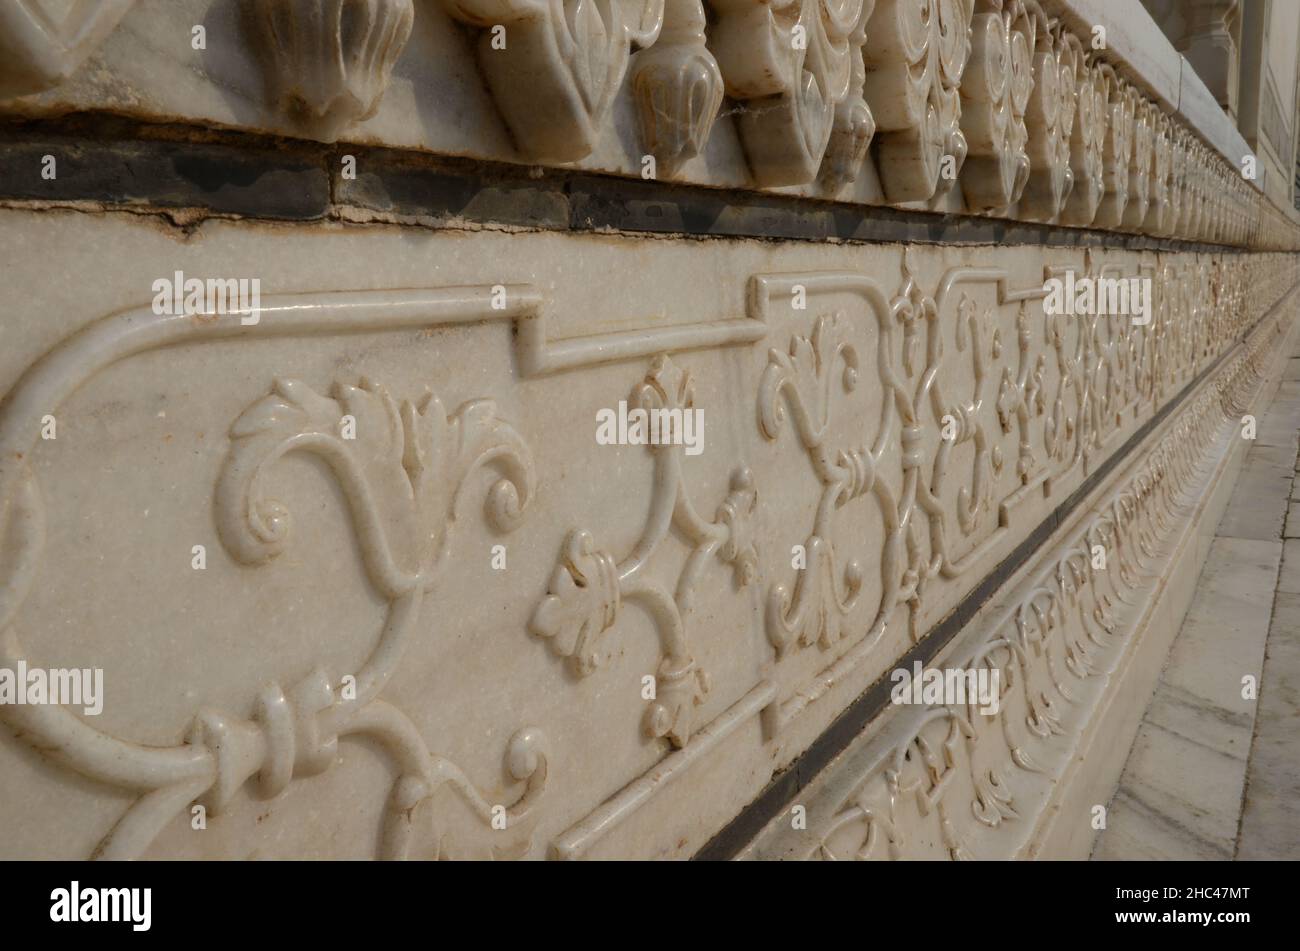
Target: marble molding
<point>992,107</point>
<point>465,628</point>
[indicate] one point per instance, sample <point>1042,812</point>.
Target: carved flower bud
<point>678,89</point>
<point>331,59</point>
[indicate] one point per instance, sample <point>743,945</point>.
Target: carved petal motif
<point>678,87</point>
<point>581,603</point>
<point>915,56</point>
<point>1086,144</point>
<point>995,93</point>
<point>39,47</point>
<point>401,468</point>
<point>561,64</point>
<point>588,585</point>
<point>792,64</point>
<point>332,59</point>
<point>1050,119</point>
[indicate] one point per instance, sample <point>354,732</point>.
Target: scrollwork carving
<point>995,90</point>
<point>792,66</point>
<point>562,63</point>
<point>589,585</point>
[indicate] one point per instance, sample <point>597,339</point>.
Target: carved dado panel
<point>441,614</point>
<point>965,781</point>
<point>992,107</point>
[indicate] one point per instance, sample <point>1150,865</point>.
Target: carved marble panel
<point>439,615</point>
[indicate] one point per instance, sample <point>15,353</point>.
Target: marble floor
<point>1214,771</point>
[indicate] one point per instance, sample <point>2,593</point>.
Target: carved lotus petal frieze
<point>1050,117</point>
<point>995,92</point>
<point>916,54</point>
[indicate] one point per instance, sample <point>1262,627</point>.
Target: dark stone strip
<point>227,179</point>
<point>855,718</point>
<point>118,161</point>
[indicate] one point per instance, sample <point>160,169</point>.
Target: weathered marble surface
<point>1270,818</point>
<point>1180,796</point>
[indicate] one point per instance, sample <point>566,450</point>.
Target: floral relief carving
<point>581,604</point>
<point>678,87</point>
<point>562,63</point>
<point>1050,121</point>
<point>1021,395</point>
<point>995,90</point>
<point>331,60</point>
<point>960,771</point>
<point>791,64</point>
<point>589,585</point>
<point>915,55</point>
<point>978,420</point>
<point>805,379</point>
<point>402,477</point>
<point>402,470</point>
<point>811,385</point>
<point>409,480</point>
<point>973,500</point>
<point>1082,378</point>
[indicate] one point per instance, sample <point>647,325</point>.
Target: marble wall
<point>364,571</point>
